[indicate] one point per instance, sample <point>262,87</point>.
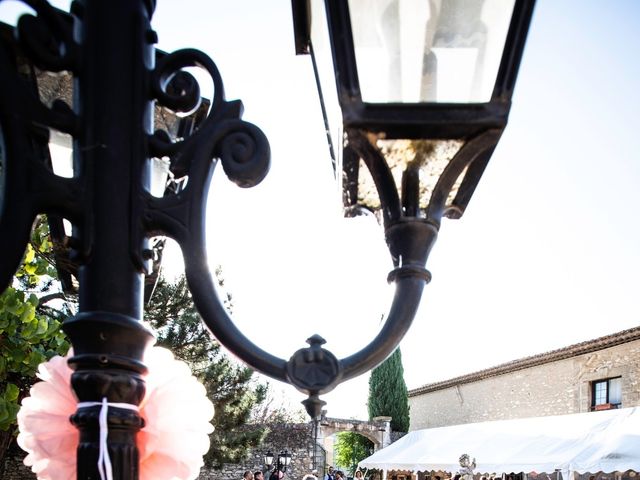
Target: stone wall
<point>554,388</point>
<point>296,438</point>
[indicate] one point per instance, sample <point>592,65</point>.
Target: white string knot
<point>104,461</point>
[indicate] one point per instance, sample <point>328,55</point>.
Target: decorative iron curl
<point>47,38</point>
<point>244,154</point>
<point>177,89</point>
<point>243,149</point>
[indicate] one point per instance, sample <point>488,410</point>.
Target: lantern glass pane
<point>414,51</point>
<point>430,157</point>
<point>325,75</point>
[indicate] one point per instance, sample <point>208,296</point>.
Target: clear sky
<point>546,254</point>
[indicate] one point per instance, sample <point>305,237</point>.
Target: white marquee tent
<point>604,441</point>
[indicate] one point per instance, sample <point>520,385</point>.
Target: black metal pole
<point>113,104</point>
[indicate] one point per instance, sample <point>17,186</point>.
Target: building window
<point>606,394</point>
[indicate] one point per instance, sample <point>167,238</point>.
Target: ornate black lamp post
<point>282,462</point>
<point>415,96</point>
<point>108,48</point>
<point>268,459</point>
<point>284,459</point>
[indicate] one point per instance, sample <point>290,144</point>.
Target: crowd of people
<point>257,475</point>
<point>277,474</point>
<point>339,475</point>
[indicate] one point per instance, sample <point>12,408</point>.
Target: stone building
<point>593,375</point>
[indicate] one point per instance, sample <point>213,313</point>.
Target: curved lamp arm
<point>244,153</point>
<point>240,146</point>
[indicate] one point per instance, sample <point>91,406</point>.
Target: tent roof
<point>584,442</point>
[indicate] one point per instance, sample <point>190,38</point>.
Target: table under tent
<point>584,446</point>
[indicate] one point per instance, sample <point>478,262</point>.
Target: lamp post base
<point>108,353</point>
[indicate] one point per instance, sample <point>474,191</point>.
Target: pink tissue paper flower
<point>176,411</point>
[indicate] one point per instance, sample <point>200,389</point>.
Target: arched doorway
<point>377,430</point>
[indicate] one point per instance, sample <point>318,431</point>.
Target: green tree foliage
<point>388,393</point>
<point>350,449</point>
<point>230,387</point>
<point>275,410</point>
<point>31,313</point>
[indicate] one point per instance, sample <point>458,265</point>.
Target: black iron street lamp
<point>268,459</point>
<point>284,459</point>
<point>442,85</point>
<point>415,96</point>
<point>282,462</point>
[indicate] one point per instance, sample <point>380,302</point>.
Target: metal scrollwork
<point>242,147</point>
<point>29,185</point>
<point>47,38</point>
<point>244,153</point>
<point>241,152</point>
<point>184,97</point>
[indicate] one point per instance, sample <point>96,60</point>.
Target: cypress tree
<point>388,393</point>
